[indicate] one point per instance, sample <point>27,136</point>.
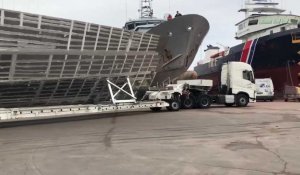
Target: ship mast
<point>261,6</point>
<point>146,10</point>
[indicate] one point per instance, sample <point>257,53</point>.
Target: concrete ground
<point>263,139</point>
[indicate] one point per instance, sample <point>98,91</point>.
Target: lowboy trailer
<point>114,106</point>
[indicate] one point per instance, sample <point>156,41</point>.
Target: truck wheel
<point>156,109</point>
<point>242,100</point>
<point>174,106</point>
<point>204,101</point>
<point>188,103</point>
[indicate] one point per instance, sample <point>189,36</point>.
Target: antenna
<point>126,10</point>
<point>146,10</point>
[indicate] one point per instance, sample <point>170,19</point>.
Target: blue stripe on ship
<point>252,51</point>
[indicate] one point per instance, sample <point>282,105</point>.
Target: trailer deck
<point>116,105</point>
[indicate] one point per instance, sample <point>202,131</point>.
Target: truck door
<point>248,83</point>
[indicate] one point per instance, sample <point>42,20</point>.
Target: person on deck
<point>169,18</point>
<point>178,14</point>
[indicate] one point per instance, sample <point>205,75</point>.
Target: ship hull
<point>274,56</point>
<point>180,40</point>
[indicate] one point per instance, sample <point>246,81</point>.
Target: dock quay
<point>260,139</point>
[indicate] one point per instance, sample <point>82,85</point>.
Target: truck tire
<point>188,102</point>
<point>242,100</point>
<point>204,101</point>
<point>156,109</point>
<point>174,106</point>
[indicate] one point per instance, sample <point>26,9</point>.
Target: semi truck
<point>237,87</point>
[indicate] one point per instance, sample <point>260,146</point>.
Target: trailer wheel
<point>204,101</point>
<point>188,103</point>
<point>174,106</point>
<point>242,100</point>
<point>156,109</point>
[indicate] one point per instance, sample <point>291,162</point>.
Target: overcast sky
<point>221,14</point>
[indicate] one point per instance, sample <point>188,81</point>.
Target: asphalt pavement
<point>262,139</point>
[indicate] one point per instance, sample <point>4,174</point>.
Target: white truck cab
<point>237,79</point>
<point>237,88</point>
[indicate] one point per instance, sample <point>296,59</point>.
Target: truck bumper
<point>265,97</point>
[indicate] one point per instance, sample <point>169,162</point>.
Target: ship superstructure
<point>264,18</point>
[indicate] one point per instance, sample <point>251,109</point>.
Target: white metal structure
<point>146,10</point>
<point>121,89</point>
<point>146,20</point>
